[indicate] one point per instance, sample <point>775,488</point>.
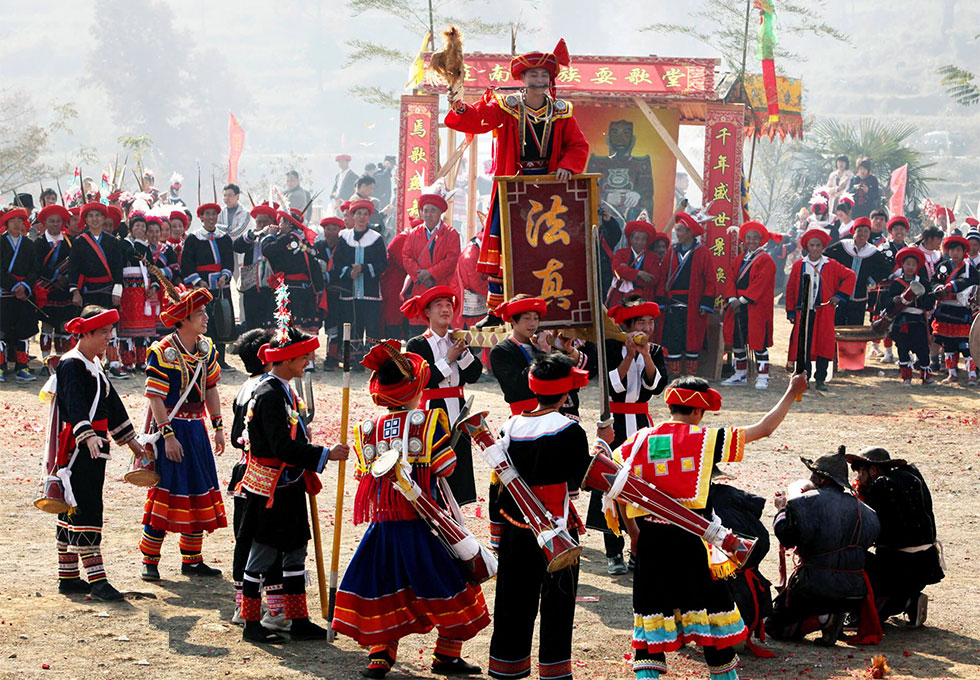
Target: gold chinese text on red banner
<point>595,76</point>
<point>418,153</point>
<point>545,227</point>
<point>723,130</point>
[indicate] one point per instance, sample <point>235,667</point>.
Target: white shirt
<point>440,346</point>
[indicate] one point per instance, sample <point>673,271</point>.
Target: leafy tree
<point>417,18</point>
<point>884,143</point>
<point>960,84</point>
<point>25,138</point>
<point>723,25</point>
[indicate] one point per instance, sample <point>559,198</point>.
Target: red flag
<point>236,142</point>
<point>896,204</point>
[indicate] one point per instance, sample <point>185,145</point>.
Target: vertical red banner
<point>899,180</point>
<point>723,130</point>
<point>418,153</point>
<point>236,142</point>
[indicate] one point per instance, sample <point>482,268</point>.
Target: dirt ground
<point>180,628</point>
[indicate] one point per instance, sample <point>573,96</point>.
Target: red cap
<point>910,251</point>
<point>342,157</point>
<point>414,308</point>
<point>577,379</point>
<point>333,220</point>
<point>898,219</point>
<point>508,310</point>
<point>680,396</point>
<point>641,225</point>
<point>861,222</point>
<point>553,61</point>
<point>683,219</point>
<point>362,203</point>
<point>179,215</point>
<point>49,210</point>
<point>761,230</point>
<point>345,207</point>
<point>78,325</point>
<point>92,207</point>
<point>183,308</point>
<point>115,214</point>
<point>943,210</point>
<point>956,241</point>
<point>972,222</point>
<point>433,199</point>
<point>623,313</point>
<point>812,233</point>
<point>266,209</point>
<point>207,206</point>
<point>272,355</point>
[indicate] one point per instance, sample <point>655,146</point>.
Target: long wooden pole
<point>669,141</point>
<point>338,515</point>
<point>321,574</point>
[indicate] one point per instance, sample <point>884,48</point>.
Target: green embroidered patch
<point>660,447</point>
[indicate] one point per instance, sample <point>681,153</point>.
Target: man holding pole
<point>281,470</point>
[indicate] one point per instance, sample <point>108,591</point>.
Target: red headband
<point>680,396</point>
<point>272,355</point>
<point>183,308</point>
<point>621,313</point>
<point>80,326</point>
<point>577,378</point>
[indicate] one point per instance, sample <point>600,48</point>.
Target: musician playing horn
<point>550,452</point>
<point>534,134</point>
<point>637,372</point>
<point>402,579</point>
<point>452,366</point>
<point>682,598</point>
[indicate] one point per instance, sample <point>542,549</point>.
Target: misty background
<point>163,75</point>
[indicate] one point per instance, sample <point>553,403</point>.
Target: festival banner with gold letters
<point>418,153</point>
<point>545,227</point>
<point>723,130</point>
<point>598,76</point>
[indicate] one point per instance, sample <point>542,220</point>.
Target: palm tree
<point>885,144</point>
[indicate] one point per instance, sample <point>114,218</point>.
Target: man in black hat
<point>831,531</point>
<point>906,557</point>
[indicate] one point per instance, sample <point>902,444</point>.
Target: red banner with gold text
<point>723,131</point>
<point>545,228</point>
<point>418,153</point>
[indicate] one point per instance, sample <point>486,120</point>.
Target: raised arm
<point>769,422</point>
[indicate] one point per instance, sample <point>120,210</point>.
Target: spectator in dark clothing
<point>741,512</point>
<point>831,531</point>
<point>864,187</point>
<point>906,557</point>
<point>364,190</point>
<point>382,179</point>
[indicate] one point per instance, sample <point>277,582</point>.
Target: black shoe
<point>103,590</point>
<point>68,586</point>
<point>821,386</point>
<point>489,321</point>
<point>199,569</point>
<point>255,632</point>
<point>831,631</point>
<point>304,629</point>
<point>453,666</point>
<point>381,665</point>
<point>151,572</point>
<point>376,672</point>
<point>615,566</point>
<point>228,368</point>
<point>118,373</point>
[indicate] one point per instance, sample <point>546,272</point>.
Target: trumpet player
<point>636,372</point>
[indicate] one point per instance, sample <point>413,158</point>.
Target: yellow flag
<point>417,70</point>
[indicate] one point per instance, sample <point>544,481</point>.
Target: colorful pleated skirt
<point>676,600</point>
<point>402,580</point>
<point>188,498</point>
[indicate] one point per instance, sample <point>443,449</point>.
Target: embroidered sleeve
<point>443,458</point>
<point>157,380</point>
<point>733,445</point>
<point>213,370</point>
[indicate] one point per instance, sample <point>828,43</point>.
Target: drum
<point>143,470</point>
<point>222,320</point>
<point>51,496</point>
<point>137,311</point>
